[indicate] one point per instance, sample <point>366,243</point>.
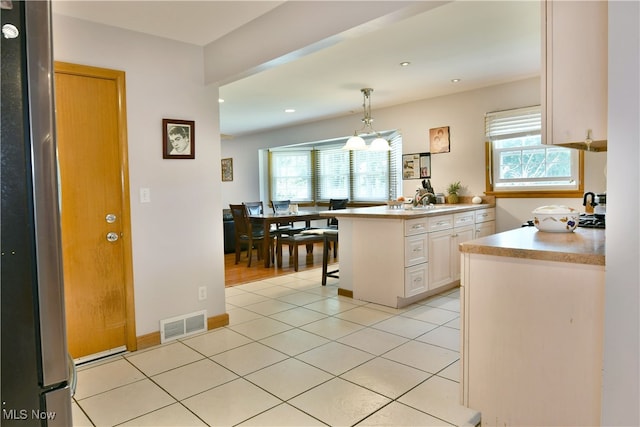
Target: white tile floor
<point>294,354</point>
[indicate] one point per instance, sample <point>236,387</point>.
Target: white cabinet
<point>441,262</point>
<point>440,240</point>
<point>397,258</point>
<point>574,77</point>
<point>531,340</point>
<point>461,233</point>
<point>485,222</point>
<point>416,280</point>
<point>444,256</point>
<point>416,257</point>
<point>415,250</point>
<point>485,229</point>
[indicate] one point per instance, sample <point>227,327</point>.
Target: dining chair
<point>255,208</point>
<point>246,235</point>
<point>279,206</point>
<point>332,223</point>
<point>334,205</point>
<point>294,241</point>
<point>329,236</point>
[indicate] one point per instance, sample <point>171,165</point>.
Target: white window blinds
<point>515,123</point>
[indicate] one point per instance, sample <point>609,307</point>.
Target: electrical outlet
<point>202,293</point>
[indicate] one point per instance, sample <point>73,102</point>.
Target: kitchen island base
<point>532,329</point>
<point>398,257</point>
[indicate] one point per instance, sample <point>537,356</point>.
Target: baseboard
<point>152,339</point>
<point>218,321</point>
<point>345,293</point>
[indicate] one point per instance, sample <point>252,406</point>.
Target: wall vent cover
<point>182,326</point>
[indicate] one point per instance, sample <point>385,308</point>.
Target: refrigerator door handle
<point>46,204</point>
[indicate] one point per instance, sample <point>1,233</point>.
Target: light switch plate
<point>145,195</point>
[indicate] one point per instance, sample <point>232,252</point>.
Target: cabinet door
<point>460,235</point>
<point>485,229</point>
<point>440,262</point>
<point>415,250</point>
<point>416,280</point>
<point>574,71</point>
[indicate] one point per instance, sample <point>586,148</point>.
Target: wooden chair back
<point>254,208</point>
<point>241,221</point>
<point>335,204</point>
<point>280,205</point>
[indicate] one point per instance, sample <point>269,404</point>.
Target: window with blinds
<point>334,173</point>
<point>291,175</point>
<point>519,161</point>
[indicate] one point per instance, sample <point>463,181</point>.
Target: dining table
<point>267,219</point>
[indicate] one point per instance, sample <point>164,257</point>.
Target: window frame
<point>535,192</point>
<point>394,181</point>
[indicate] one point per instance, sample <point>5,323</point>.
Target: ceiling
<point>483,43</point>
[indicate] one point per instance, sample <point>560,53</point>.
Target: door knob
<point>112,236</point>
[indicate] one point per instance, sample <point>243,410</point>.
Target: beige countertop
<point>387,212</point>
<point>583,246</point>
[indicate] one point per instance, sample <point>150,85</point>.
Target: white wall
<point>177,238</point>
<point>621,376</point>
<point>462,112</point>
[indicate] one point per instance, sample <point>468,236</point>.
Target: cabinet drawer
<point>485,229</point>
<point>415,249</point>
<point>441,222</point>
<point>415,226</point>
<point>484,215</point>
<point>463,218</point>
<point>416,280</point>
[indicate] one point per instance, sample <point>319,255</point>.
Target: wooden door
<point>92,150</point>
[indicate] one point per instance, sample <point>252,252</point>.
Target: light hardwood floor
<point>236,274</point>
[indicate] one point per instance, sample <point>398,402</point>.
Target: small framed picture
<point>227,169</point>
<point>178,139</point>
<point>439,140</point>
<point>416,166</point>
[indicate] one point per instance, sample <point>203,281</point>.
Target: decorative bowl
<point>556,218</point>
<point>395,204</point>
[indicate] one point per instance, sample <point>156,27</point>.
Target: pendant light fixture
<point>356,142</point>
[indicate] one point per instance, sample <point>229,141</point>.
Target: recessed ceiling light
<point>289,110</point>
<point>456,80</point>
<point>405,63</point>
<point>220,100</point>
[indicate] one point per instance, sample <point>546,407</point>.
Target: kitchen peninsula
<point>395,257</point>
<point>532,306</point>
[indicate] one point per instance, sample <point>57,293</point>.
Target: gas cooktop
<point>591,221</point>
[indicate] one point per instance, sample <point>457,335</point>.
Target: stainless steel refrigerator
<point>35,373</point>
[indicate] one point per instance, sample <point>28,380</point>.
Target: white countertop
<point>415,212</point>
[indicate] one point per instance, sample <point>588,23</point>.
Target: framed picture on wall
<point>439,140</point>
<point>227,169</point>
<point>416,166</point>
<point>178,139</point>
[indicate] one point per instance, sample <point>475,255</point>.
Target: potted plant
<point>452,191</point>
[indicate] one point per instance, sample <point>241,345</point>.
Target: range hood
<point>580,145</point>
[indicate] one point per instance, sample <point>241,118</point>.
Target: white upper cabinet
<point>574,73</point>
